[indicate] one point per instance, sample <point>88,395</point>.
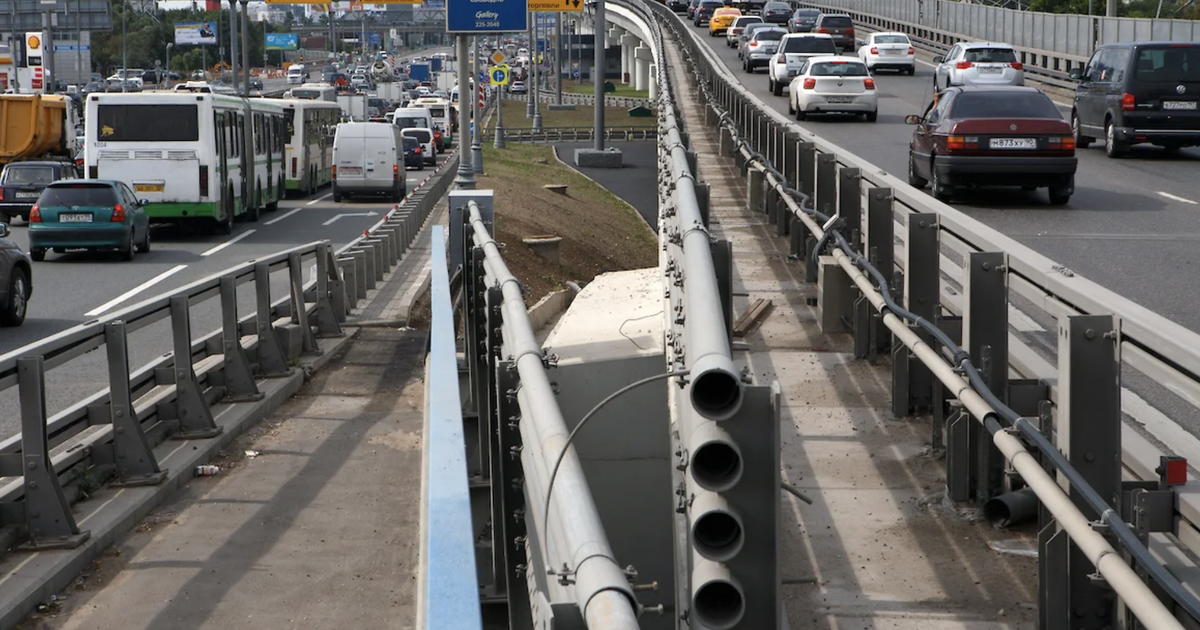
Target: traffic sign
<point>500,75</point>
<point>497,58</point>
<point>556,5</point>
<point>483,78</point>
<point>575,73</point>
<point>486,16</point>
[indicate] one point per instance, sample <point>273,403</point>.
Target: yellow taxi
<point>721,20</point>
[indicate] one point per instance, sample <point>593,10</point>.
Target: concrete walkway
<point>319,530</point>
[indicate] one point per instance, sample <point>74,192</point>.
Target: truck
<point>354,106</point>
<point>382,71</point>
<point>446,81</point>
<point>419,72</point>
<point>39,126</point>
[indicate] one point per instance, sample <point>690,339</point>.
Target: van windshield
<point>406,121</point>
<point>1174,64</point>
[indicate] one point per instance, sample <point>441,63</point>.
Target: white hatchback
<point>833,85</point>
<point>890,51</point>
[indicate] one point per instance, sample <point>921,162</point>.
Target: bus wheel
<point>256,204</point>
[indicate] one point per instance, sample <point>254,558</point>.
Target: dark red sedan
<point>992,136</point>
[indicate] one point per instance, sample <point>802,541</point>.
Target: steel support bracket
<point>240,385</point>
<point>133,458</point>
<point>191,409</point>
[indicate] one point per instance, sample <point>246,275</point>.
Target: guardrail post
<point>806,157</point>
<point>881,253</point>
<point>722,255</point>
<point>359,260</point>
<point>326,313</point>
<point>791,158</point>
<point>272,360</point>
<point>827,199</point>
<point>191,409</point>
<point>337,287</point>
<point>132,456</point>
<point>912,382</point>
<point>48,517</point>
<point>1088,430</point>
<point>239,378</point>
<point>754,189</point>
<point>299,306</point>
<point>508,499</point>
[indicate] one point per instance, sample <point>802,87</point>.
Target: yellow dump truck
<point>37,126</point>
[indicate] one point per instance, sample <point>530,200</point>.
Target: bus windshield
<point>147,123</point>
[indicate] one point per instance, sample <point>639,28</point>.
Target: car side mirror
<point>3,230</point>
<point>141,203</point>
<point>912,119</point>
<point>1076,74</point>
<point>938,59</point>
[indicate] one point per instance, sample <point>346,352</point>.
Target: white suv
<point>793,51</point>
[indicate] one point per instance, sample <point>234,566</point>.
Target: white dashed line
<point>282,217</point>
<point>128,294</point>
<point>322,198</point>
<point>228,243</point>
<point>1176,198</point>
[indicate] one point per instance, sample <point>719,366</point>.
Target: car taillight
<point>960,143</point>
<point>293,167</point>
<point>869,83</point>
<point>963,65</point>
<point>35,214</point>
<point>911,51</point>
<point>754,44</point>
<point>417,150</point>
<point>849,32</point>
<point>203,180</point>
<point>874,50</point>
<point>1128,102</point>
<point>395,171</point>
<point>118,214</point>
<point>335,171</point>
<point>1061,143</point>
<point>810,83</point>
<point>1017,65</point>
<point>822,30</point>
<point>1,194</point>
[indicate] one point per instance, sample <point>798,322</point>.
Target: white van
<point>296,74</point>
<point>368,158</point>
<point>410,117</point>
<point>423,135</point>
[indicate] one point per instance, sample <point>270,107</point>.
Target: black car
<point>691,8</point>
<point>803,20</point>
<point>16,281</point>
<point>678,6</point>
<point>1136,93</point>
<point>838,26</point>
<point>777,13</point>
<point>750,7</point>
<point>704,11</point>
<point>412,154</point>
<point>256,83</point>
<point>21,183</point>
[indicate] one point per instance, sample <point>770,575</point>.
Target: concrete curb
<point>550,307</point>
<point>33,577</point>
<point>636,213</point>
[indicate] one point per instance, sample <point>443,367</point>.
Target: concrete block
<point>554,107</point>
<point>591,158</point>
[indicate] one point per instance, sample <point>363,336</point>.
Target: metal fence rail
<point>800,180</point>
<point>111,434</point>
<point>563,134</point>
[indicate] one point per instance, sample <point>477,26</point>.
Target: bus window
<point>148,123</point>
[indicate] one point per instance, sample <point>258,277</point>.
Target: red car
<point>992,136</point>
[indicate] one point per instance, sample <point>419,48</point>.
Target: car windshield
<point>409,121</point>
<point>77,195</point>
<point>711,6</point>
<point>28,175</point>
<point>747,19</point>
<point>809,45</point>
<point>1175,64</point>
<point>838,69</point>
<point>995,104</point>
<point>769,36</point>
<point>990,55</point>
<point>777,6</point>
<point>891,39</point>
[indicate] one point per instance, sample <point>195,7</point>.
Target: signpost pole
<point>466,173</point>
<point>537,77</point>
<point>531,86</point>
<point>233,43</point>
<point>245,89</point>
<point>477,122</point>
<point>48,48</point>
<point>558,68</point>
<point>598,77</point>
<point>498,143</point>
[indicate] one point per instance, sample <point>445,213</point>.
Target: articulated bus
<point>193,157</point>
<point>309,131</point>
<point>314,92</point>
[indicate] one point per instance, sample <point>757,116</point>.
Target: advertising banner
<point>282,41</point>
<point>196,34</point>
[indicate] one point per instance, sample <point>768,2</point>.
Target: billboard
<point>282,41</point>
<point>196,34</point>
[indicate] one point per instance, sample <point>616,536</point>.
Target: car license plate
<point>891,52</point>
<point>74,217</point>
<point>1179,105</point>
<point>28,195</point>
<point>1013,143</point>
<point>987,70</point>
<point>147,188</point>
<point>839,99</point>
<point>351,170</point>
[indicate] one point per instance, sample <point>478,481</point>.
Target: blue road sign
<point>499,76</point>
<point>483,78</point>
<point>575,73</point>
<point>487,16</point>
<point>541,45</point>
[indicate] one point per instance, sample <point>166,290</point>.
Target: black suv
<point>22,183</point>
<point>838,26</point>
<point>750,7</point>
<point>1141,92</point>
<point>803,20</point>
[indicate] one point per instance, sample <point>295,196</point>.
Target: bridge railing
<point>939,305</point>
<point>104,436</point>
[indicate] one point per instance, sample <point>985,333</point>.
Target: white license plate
<point>1013,143</point>
<point>351,170</point>
<point>986,70</point>
<point>839,99</point>
<point>28,195</point>
<point>891,52</point>
<point>74,217</point>
<point>1191,105</point>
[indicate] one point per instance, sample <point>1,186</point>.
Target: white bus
<point>193,157</point>
<point>308,155</point>
<point>445,115</point>
<point>314,92</point>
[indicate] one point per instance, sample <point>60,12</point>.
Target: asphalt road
<point>72,288</point>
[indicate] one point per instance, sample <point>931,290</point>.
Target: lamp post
<point>168,75</point>
<point>124,46</point>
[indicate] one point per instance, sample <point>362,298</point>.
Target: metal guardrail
<point>111,434</point>
<point>815,192</point>
<point>566,134</point>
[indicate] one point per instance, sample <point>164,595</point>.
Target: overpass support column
<point>641,71</point>
<point>629,43</point>
<point>653,81</point>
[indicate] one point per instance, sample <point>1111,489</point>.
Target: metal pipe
<point>715,460</point>
<point>718,602</point>
<point>245,89</point>
<point>1011,509</point>
<point>598,50</point>
<point>602,590</point>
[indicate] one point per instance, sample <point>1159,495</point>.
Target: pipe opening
<point>1011,509</point>
<point>716,466</point>
<point>718,605</point>
<point>716,393</point>
<point>718,535</point>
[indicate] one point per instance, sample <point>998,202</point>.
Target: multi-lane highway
<point>1133,224</point>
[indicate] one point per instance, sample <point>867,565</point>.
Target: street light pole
<point>169,47</point>
<point>466,173</point>
<point>537,76</point>
<point>245,49</point>
<point>477,117</point>
<point>558,69</point>
<point>598,76</point>
<point>233,43</point>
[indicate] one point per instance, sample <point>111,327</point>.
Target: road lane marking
<point>136,290</point>
<point>1176,198</point>
<point>282,216</point>
<point>321,198</point>
<point>228,243</point>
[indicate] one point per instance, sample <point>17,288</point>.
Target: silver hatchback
<point>978,63</point>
